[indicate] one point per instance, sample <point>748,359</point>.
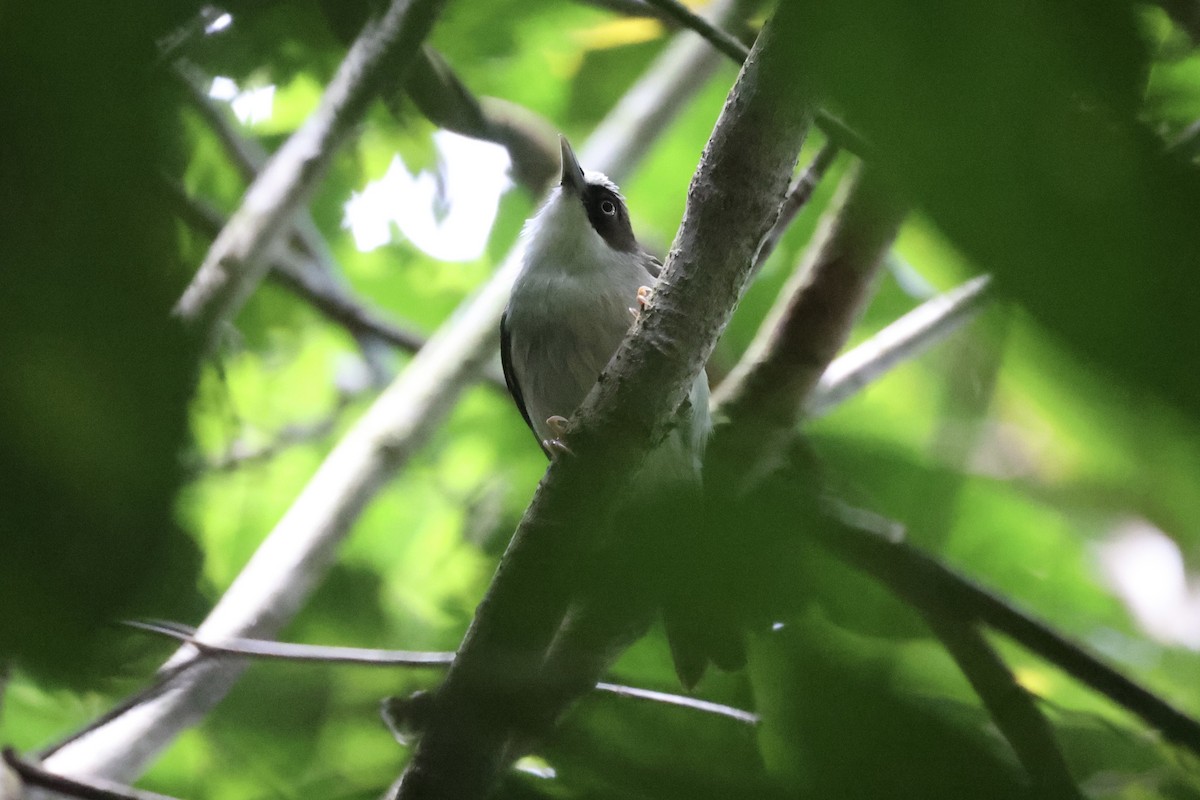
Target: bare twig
<point>366,657</point>
<point>684,66</point>
<point>288,651</point>
<point>236,262</point>
<point>718,38</point>
<point>693,703</point>
<point>633,8</point>
<point>300,549</point>
<point>1011,707</point>
<point>904,339</point>
<point>34,776</point>
<point>247,155</point>
<point>732,200</point>
<point>249,158</point>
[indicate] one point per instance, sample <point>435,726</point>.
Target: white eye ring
<point>608,207</point>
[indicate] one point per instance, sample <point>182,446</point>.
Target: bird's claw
<point>643,301</point>
<point>555,445</point>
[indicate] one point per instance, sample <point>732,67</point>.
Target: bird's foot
<point>643,301</point>
<point>558,426</point>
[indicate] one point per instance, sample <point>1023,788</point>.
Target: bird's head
<point>599,200</point>
<point>583,227</point>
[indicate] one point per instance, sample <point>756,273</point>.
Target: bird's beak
<point>572,173</point>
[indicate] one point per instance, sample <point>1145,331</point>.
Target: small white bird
<point>583,274</point>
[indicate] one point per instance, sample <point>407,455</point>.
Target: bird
<point>583,281</point>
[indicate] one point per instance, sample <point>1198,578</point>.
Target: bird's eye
<point>608,207</point>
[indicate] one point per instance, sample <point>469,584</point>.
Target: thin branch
<point>814,314</point>
<point>693,703</point>
<point>732,200</point>
<point>295,272</point>
<point>727,44</point>
<point>531,141</point>
<point>240,454</point>
<point>300,549</point>
<point>1011,707</point>
<point>722,41</point>
<point>684,66</point>
<point>319,269</point>
<point>902,340</point>
<point>367,657</point>
<point>33,775</point>
<point>236,262</point>
<point>633,8</point>
<point>247,155</point>
<point>873,545</point>
<point>271,650</point>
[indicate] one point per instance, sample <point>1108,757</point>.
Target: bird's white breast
<point>567,315</point>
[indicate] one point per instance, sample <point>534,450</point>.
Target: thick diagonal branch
<point>237,260</point>
<point>732,201</point>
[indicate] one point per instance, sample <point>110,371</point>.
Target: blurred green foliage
<point>1031,136</point>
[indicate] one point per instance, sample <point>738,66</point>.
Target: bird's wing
<point>510,376</point>
<point>652,264</point>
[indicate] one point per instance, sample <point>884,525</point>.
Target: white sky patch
<point>254,105</point>
<point>448,214</point>
<point>250,106</point>
<point>223,88</point>
<point>223,20</point>
<point>1145,569</point>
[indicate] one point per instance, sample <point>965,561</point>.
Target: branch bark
<point>732,202</point>
<point>237,260</point>
<point>300,549</point>
<point>800,192</point>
